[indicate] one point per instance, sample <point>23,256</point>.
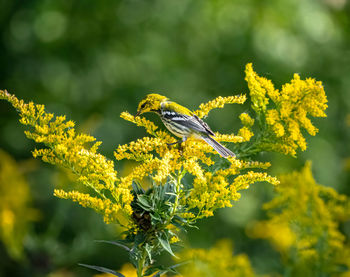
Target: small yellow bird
<point>181,121</point>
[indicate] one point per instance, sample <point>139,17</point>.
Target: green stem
<point>177,192</point>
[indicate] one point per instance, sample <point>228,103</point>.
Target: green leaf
<point>144,202</point>
<point>163,270</point>
<point>103,269</point>
<point>117,243</point>
<point>137,188</point>
<point>163,240</point>
<point>155,217</point>
<point>149,251</point>
<point>150,270</point>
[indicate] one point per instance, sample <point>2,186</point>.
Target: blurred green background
<point>91,60</point>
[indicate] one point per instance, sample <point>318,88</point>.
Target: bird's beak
<point>138,113</point>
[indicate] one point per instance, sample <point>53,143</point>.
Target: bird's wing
<point>205,125</point>
<point>185,117</point>
<point>189,121</point>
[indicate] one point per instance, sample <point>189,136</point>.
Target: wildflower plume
<point>202,262</point>
<point>16,213</point>
<point>303,224</point>
<point>171,187</point>
<point>286,112</point>
<point>64,147</point>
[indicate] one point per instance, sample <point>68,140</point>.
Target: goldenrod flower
<point>218,102</point>
<point>303,224</point>
<point>246,119</point>
<point>187,182</point>
<point>286,111</point>
<point>16,212</point>
<point>67,149</point>
<point>216,261</point>
<point>210,190</point>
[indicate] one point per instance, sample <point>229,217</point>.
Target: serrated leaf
<point>103,269</point>
<point>117,243</point>
<point>163,240</point>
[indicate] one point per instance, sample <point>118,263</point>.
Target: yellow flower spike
<point>104,206</point>
<point>243,181</point>
<point>67,149</point>
<point>279,234</point>
<point>174,239</point>
<point>16,212</point>
<point>272,116</point>
<point>304,221</point>
<point>196,148</point>
<point>139,150</point>
<point>225,263</point>
<point>164,168</point>
<point>140,121</point>
<point>296,101</point>
<point>229,138</point>
<point>246,120</point>
<point>245,133</point>
<point>193,167</point>
<point>258,89</point>
<point>219,102</point>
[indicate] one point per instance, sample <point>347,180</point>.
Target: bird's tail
<point>223,151</point>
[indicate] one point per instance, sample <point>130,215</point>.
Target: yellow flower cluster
<point>67,149</point>
<point>217,261</point>
<point>287,112</point>
<point>246,119</point>
<point>150,127</point>
<point>110,211</point>
<point>211,189</point>
<point>16,212</point>
<point>219,102</point>
<point>216,191</point>
<point>304,224</point>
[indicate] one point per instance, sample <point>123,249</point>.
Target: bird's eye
<point>143,105</point>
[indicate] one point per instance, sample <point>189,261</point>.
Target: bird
<point>181,121</point>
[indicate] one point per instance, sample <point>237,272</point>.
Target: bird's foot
<point>176,142</point>
<point>179,145</point>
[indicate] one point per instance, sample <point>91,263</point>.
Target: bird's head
<point>151,103</point>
